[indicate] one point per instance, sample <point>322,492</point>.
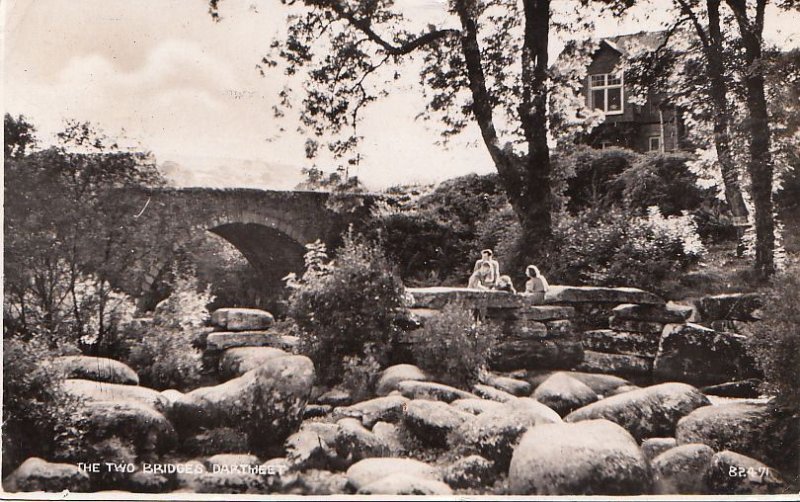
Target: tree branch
<point>364,26</point>
<point>687,9</point>
<point>481,102</point>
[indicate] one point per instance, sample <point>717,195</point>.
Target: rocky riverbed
<point>266,428</point>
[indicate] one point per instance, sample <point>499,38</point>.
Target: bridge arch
<point>270,228</point>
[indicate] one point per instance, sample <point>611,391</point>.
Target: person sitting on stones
<point>486,257</point>
<point>482,277</point>
<point>536,285</point>
<point>504,284</point>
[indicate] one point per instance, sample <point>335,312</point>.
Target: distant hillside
<point>220,172</point>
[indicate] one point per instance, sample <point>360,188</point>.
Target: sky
<point>162,74</point>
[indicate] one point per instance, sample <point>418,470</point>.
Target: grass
<point>721,271</point>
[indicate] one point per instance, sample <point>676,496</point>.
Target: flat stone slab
<point>617,342</point>
<point>540,313</point>
<point>645,327</point>
<point>668,313</point>
<point>594,294</point>
<point>616,364</point>
<point>225,340</point>
<point>733,306</point>
<point>438,297</point>
<point>240,319</point>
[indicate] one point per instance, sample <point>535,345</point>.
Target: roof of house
<point>634,42</point>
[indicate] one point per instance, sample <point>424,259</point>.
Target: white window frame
<point>605,87</point>
<point>650,144</point>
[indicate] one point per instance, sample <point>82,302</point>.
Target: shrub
<point>346,306</point>
<point>425,248</point>
<point>615,249</point>
<point>775,341</point>
<point>663,180</point>
<point>163,354</point>
<point>361,374</point>
<point>452,347</point>
<point>432,236</point>
<point>588,176</point>
<point>35,409</point>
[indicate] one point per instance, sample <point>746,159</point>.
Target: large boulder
<point>564,394</point>
<point>511,385</point>
<point>312,482</point>
<point>137,424</point>
<point>494,434</point>
<point>432,421</point>
<point>148,482</point>
<point>391,436</point>
<point>473,471</point>
<point>355,442</point>
<point>98,369</point>
<point>237,361</point>
<point>326,432</point>
<point>89,390</point>
<point>306,449</point>
<point>601,383</point>
<point>380,409</point>
<point>241,319</point>
<point>682,470</point>
<point>405,484</point>
<point>701,356</point>
<point>536,353</point>
<point>761,431</point>
<point>227,482</point>
<point>36,474</point>
<point>490,393</point>
<point>231,461</point>
<point>595,457</point>
<point>653,447</point>
<point>732,306</point>
<point>731,473</point>
<point>335,397</point>
<point>211,441</point>
<point>271,396</point>
<point>649,412</point>
<point>413,389</point>
<point>369,470</point>
<point>393,375</point>
<point>476,406</point>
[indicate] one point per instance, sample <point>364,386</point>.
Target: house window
<point>605,93</point>
<point>654,144</point>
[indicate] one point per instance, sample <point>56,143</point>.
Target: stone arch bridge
<point>270,228</point>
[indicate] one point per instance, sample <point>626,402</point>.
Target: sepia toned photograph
<point>401,249</point>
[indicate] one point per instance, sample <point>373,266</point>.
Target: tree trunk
<point>719,99</point>
<point>760,168</point>
<point>526,179</point>
<point>535,203</point>
<point>760,163</point>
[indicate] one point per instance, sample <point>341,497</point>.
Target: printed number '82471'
<point>741,472</point>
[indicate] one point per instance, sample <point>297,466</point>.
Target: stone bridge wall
<point>642,337</point>
<point>268,227</point>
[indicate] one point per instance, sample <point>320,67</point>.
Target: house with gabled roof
<point>652,126</point>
